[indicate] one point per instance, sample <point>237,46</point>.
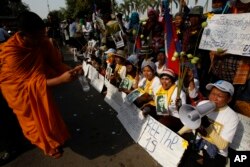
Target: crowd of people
<point>131,55</point>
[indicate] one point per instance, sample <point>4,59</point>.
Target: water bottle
<point>84,82</point>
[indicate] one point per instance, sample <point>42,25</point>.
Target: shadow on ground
<point>93,124</point>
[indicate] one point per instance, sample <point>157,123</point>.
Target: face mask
<point>217,10</point>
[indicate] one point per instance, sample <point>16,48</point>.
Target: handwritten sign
<point>230,32</point>
<point>132,120</point>
<point>114,97</point>
<point>241,141</point>
<point>98,83</point>
<point>162,144</point>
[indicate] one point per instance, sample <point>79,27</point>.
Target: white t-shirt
<point>225,122</point>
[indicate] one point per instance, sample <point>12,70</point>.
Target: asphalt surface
<point>98,139</point>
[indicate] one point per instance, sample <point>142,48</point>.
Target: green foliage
<point>12,7</point>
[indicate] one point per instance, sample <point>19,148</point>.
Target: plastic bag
<point>84,82</point>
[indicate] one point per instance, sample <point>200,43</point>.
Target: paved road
<point>98,138</point>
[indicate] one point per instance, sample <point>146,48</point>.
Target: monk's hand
<point>68,76</point>
<point>79,69</point>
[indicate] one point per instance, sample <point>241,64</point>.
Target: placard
<point>229,32</point>
<point>162,143</point>
<point>241,141</point>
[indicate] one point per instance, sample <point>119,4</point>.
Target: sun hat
<point>120,53</point>
<point>145,50</point>
<point>222,85</point>
<point>196,10</point>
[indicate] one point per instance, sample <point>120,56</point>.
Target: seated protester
<point>161,61</point>
<point>110,63</point>
<point>145,55</point>
<point>147,85</point>
<point>130,82</point>
<point>217,129</point>
<point>120,68</point>
<point>96,62</point>
<point>166,101</point>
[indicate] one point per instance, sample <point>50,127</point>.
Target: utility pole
<point>48,6</point>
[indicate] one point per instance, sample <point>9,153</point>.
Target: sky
<point>41,8</point>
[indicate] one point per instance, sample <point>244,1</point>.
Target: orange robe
<point>23,74</point>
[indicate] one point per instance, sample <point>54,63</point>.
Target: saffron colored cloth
<point>23,74</point>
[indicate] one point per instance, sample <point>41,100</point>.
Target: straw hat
<point>120,53</point>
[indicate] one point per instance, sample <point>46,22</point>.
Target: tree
<point>12,7</point>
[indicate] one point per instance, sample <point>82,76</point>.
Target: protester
<point>120,68</point>
<point>161,61</point>
<point>168,91</point>
<point>132,75</point>
<point>216,131</point>
<point>30,66</point>
<point>147,85</point>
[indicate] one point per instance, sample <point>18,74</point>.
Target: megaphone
<point>191,116</point>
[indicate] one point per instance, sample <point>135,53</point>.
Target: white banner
<point>241,141</point>
<point>85,68</point>
<point>92,73</point>
<point>132,119</point>
<point>98,83</point>
<point>229,32</point>
<point>114,97</point>
<point>162,144</point>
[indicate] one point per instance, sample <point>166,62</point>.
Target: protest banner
<point>241,141</point>
<point>229,32</point>
<point>92,73</point>
<point>114,97</point>
<point>98,82</point>
<point>132,120</point>
<point>85,68</point>
<point>164,145</point>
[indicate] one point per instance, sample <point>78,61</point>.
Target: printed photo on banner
<point>161,108</point>
<point>126,84</point>
<point>109,72</point>
<point>131,97</point>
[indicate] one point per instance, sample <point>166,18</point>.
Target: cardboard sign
<point>132,120</point>
<point>162,144</point>
<point>229,32</point>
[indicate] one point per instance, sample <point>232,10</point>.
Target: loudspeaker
<point>191,116</point>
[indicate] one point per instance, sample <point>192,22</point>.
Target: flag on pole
<point>171,40</point>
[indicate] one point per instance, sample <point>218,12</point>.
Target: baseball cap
<point>222,85</point>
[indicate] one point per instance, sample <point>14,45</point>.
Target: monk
<point>29,66</point>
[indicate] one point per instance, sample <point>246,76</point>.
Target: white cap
<point>111,50</point>
<point>222,85</point>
